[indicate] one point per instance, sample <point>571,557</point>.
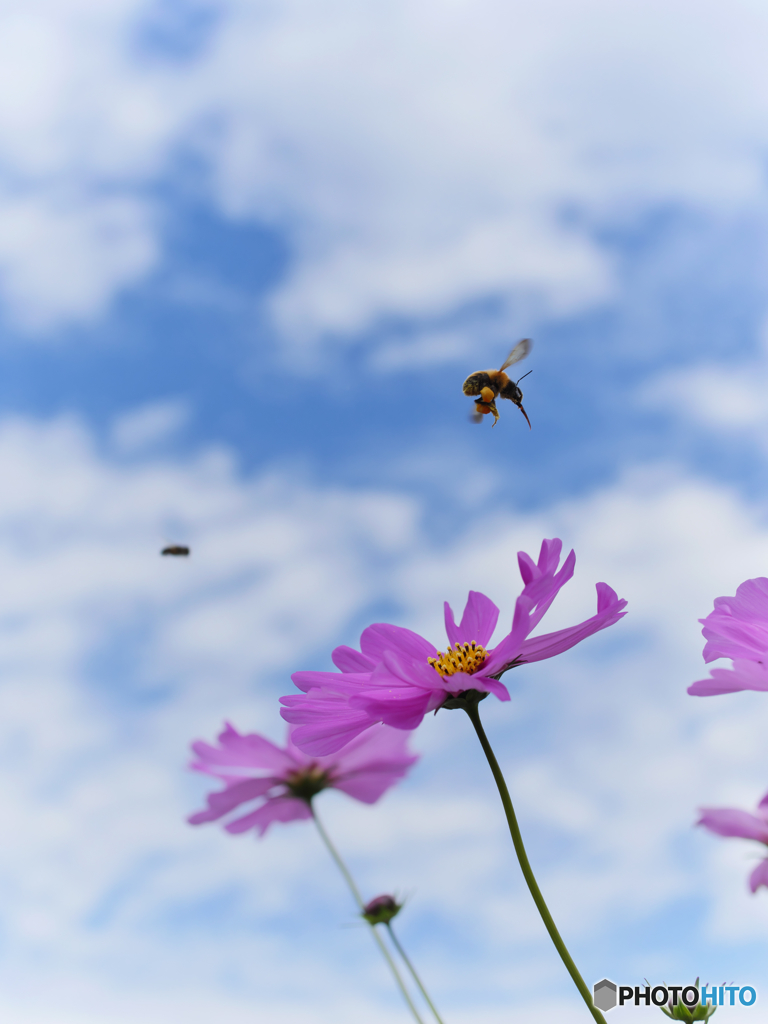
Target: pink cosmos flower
<point>737,629</point>
<point>397,676</point>
<point>282,780</point>
<point>727,821</point>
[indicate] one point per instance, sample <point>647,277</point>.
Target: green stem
<point>412,969</point>
<point>359,901</point>
<point>517,839</point>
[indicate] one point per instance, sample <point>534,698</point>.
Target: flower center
<point>459,658</point>
<point>307,782</point>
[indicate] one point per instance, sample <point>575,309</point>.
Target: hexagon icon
<point>604,995</point>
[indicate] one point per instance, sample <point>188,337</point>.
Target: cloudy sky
<point>249,251</point>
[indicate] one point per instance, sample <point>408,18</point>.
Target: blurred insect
<point>493,384</point>
<point>175,549</point>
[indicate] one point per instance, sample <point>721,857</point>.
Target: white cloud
<point>424,156</point>
<point>430,348</point>
<point>719,396</point>
<point>417,156</point>
<point>63,256</point>
<point>726,397</point>
<point>148,425</point>
<point>113,658</point>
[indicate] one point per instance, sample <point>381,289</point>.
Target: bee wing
<point>520,351</point>
<point>476,417</point>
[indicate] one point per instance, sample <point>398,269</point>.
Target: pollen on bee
<point>466,657</point>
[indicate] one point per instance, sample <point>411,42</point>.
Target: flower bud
<point>381,910</point>
<point>688,1013</point>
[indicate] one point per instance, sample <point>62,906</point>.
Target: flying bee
<point>493,384</point>
<point>175,549</point>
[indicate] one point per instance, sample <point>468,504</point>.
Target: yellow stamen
<point>459,658</point>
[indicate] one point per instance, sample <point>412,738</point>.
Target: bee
<point>175,549</point>
<point>493,384</point>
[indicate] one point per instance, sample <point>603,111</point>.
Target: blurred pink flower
<point>283,780</point>
<point>397,676</point>
<point>728,821</point>
<point>737,629</point>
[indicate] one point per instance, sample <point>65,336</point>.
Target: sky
<point>249,251</point>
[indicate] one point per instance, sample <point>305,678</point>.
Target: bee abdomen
<point>475,383</point>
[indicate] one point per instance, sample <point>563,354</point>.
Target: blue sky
<point>248,254</point>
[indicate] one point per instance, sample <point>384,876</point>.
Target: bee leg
<point>483,408</point>
<point>522,410</point>
<point>480,410</point>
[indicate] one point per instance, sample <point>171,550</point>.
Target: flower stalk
<point>471,708</point>
<point>412,969</point>
<point>359,901</point>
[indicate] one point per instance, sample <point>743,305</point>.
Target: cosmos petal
<point>759,876</point>
<point>347,659</point>
<point>729,821</point>
<point>737,628</point>
<point>402,708</point>
<point>745,675</point>
<point>382,636</point>
<point>235,749</point>
<point>548,645</point>
<point>279,808</point>
<point>227,799</point>
<point>340,682</point>
<point>477,623</point>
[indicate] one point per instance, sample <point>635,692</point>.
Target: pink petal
<point>750,602</point>
<point>403,707</point>
<point>367,767</point>
<point>527,567</point>
<point>250,750</point>
<point>549,556</point>
<point>548,645</point>
<point>477,623</point>
<point>731,638</point>
<point>227,799</point>
<point>377,744</point>
<point>370,785</point>
<point>339,682</point>
<point>738,626</point>
<point>745,675</point>
<point>381,637</point>
<point>487,685</point>
<point>279,808</point>
<point>507,651</point>
<point>302,709</point>
<point>543,591</point>
<point>396,670</point>
<point>325,722</point>
<point>759,876</point>
<point>729,821</point>
<point>347,659</point>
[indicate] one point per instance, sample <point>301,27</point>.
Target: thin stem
<point>359,901</point>
<point>522,856</point>
<point>412,969</point>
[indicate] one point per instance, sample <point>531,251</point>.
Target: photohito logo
<point>606,994</point>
